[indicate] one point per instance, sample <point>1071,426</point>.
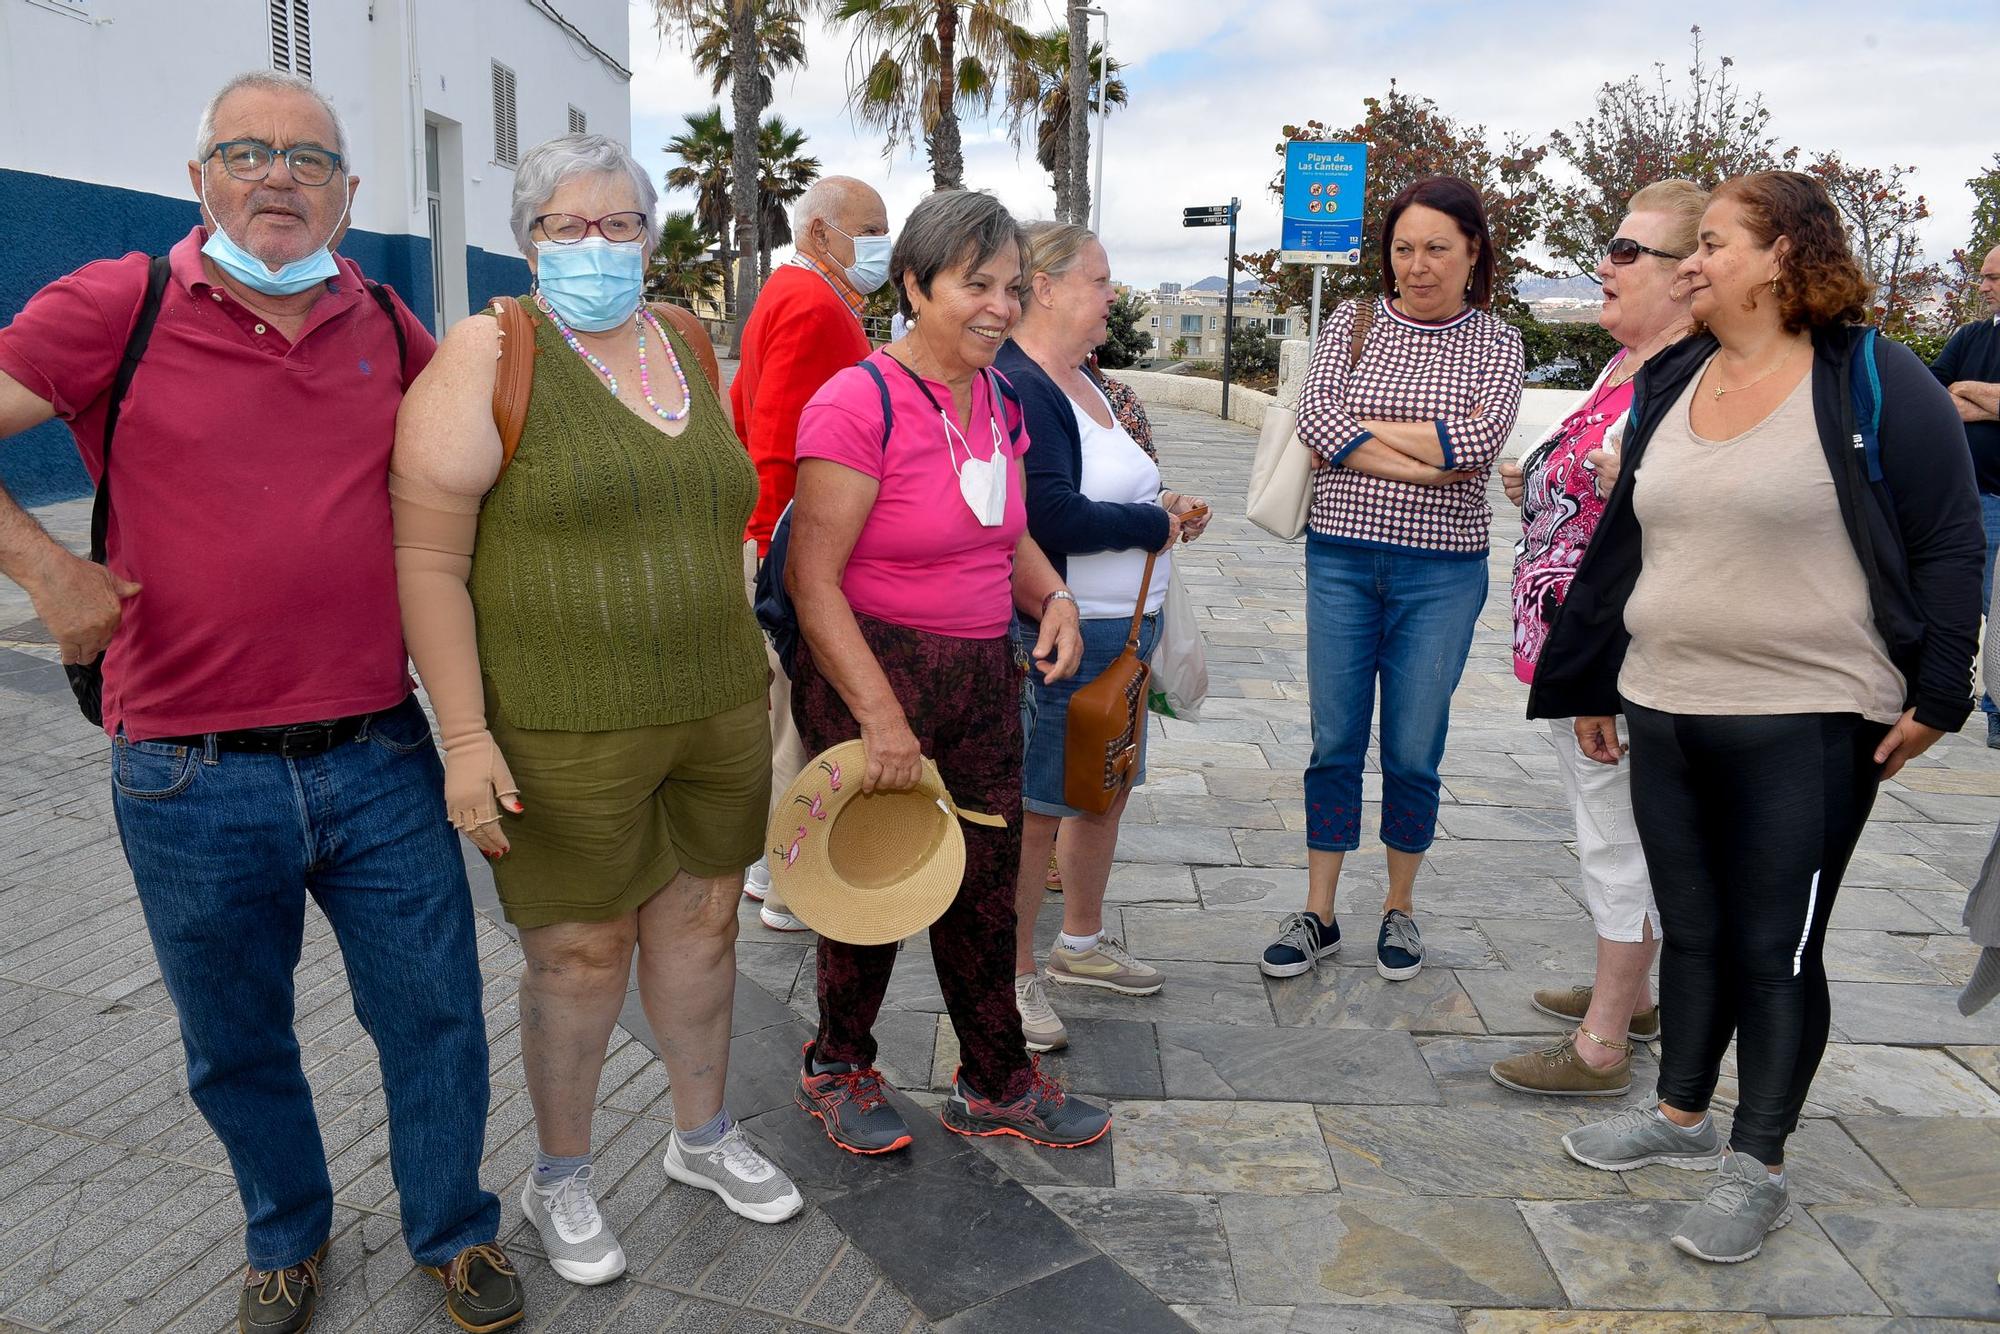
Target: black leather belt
<point>292,742</point>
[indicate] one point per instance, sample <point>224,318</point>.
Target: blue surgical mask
<point>594,284</point>
<point>870,268</point>
<point>253,273</point>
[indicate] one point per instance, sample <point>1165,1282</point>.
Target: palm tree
<point>706,150</point>
<point>780,43</point>
<point>681,270</point>
<point>684,16</point>
<point>916,64</point>
<point>783,174</point>
<point>1046,58</point>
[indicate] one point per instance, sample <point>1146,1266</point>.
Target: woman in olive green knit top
<point>580,610</point>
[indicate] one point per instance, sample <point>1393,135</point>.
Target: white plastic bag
<point>1180,661</point>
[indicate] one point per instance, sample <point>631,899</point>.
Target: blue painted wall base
<point>55,226</point>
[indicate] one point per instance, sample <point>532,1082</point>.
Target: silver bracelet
<point>1060,595</point>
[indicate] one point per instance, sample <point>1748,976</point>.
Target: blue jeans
<point>225,846</point>
<point>1989,517</point>
<point>1406,618</point>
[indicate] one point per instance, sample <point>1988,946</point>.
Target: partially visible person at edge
<point>1096,508</point>
<point>1560,484</point>
<point>1785,621</point>
<point>905,583</point>
<point>1396,548</point>
<point>578,617</point>
<point>263,412</point>
<point>805,326</point>
<point>1969,366</point>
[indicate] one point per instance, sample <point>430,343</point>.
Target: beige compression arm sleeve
<point>435,533</point>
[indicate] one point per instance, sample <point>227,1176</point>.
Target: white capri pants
<point>1616,888</point>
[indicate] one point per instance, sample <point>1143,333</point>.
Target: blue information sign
<point>1324,188</point>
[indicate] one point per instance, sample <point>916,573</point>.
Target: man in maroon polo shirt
<point>265,744</point>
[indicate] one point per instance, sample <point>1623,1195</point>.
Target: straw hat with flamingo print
<point>867,870</point>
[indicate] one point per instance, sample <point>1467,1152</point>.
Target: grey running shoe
<point>579,1243</point>
<point>1639,1137</point>
<point>1741,1209</point>
<point>1045,1114</point>
<point>757,879</point>
<point>1106,964</point>
<point>1041,1027</point>
<point>748,1182</point>
<point>1572,1003</point>
<point>777,919</point>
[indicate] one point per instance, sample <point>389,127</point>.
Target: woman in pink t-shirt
<point>1560,485</point>
<point>909,556</point>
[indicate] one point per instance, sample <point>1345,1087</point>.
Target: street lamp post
<point>1103,108</point>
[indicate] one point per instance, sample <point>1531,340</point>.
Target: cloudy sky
<point>1213,83</point>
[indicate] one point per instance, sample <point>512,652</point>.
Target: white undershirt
<point>1117,471</point>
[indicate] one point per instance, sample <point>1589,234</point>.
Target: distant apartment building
<point>1186,325</point>
<point>440,98</point>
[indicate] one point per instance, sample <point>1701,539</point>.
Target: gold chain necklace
<point>1719,390</point>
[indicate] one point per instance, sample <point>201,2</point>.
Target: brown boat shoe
<point>280,1301</point>
<point>481,1290</point>
<point>1572,1003</point>
<point>1560,1072</point>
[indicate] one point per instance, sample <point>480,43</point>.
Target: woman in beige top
<point>1783,598</point>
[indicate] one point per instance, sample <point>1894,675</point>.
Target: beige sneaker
<point>1041,1028</point>
<point>1572,1003</point>
<point>1105,964</point>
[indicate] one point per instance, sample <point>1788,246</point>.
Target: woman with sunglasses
<point>1560,485</point>
<point>580,610</point>
<point>1783,599</point>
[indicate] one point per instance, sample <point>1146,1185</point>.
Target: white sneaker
<point>579,1243</point>
<point>780,921</point>
<point>748,1182</point>
<point>757,880</point>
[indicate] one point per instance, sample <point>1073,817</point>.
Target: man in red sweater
<point>805,326</point>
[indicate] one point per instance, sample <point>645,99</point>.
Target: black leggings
<point>1747,825</point>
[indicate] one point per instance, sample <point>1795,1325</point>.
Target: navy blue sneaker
<point>1399,950</point>
<point>1302,942</point>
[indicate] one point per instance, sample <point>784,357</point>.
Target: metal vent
<point>291,36</point>
<point>578,122</point>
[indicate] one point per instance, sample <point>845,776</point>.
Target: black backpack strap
<point>388,304</point>
<point>157,270</point>
<point>882,388</point>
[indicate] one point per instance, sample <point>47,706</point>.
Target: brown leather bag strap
<point>1364,320</point>
<point>696,337</point>
<point>513,376</point>
<point>1139,612</point>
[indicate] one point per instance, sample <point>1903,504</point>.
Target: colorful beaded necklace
<point>640,320</point>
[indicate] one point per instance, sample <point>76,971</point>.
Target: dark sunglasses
<point>1624,250</point>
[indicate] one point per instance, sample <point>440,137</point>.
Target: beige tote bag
<point>1281,472</point>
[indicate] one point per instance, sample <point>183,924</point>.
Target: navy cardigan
<point>1062,520</point>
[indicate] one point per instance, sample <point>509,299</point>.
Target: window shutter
<point>578,122</point>
<point>506,139</point>
<point>291,36</point>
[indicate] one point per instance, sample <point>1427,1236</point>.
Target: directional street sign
<point>1211,215</point>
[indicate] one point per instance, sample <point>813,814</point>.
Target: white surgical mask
<point>982,483</point>
<point>870,268</point>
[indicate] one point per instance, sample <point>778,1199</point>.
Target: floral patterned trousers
<point>962,698</point>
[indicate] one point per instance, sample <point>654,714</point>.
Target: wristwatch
<point>1060,595</point>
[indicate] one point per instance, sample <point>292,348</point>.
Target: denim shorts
<point>1045,708</point>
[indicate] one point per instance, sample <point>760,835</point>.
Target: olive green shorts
<point>612,816</point>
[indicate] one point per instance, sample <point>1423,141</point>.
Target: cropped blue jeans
<point>1403,618</point>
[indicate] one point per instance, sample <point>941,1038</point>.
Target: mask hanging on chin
<point>594,284</point>
<point>246,268</point>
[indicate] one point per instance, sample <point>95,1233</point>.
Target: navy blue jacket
<point>1903,476</point>
<point>1062,520</point>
